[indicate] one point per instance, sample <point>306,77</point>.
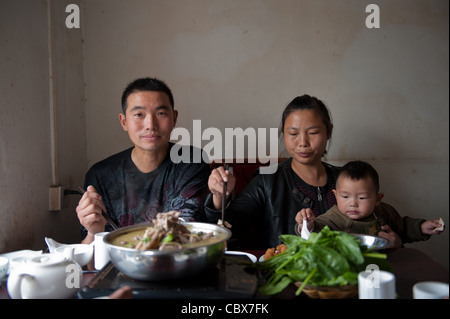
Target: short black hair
<point>146,84</point>
<point>357,170</point>
<point>309,103</point>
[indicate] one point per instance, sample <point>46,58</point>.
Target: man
<point>134,185</point>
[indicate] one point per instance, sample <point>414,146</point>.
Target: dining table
<point>409,266</point>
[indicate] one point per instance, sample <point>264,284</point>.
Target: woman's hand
<point>215,183</point>
<point>387,233</point>
<point>305,213</point>
<point>89,212</point>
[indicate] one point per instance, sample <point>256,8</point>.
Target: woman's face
<point>305,136</point>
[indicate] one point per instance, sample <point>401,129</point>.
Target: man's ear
<point>123,121</point>
<point>175,117</point>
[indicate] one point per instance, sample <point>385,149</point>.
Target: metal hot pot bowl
<point>156,265</point>
<point>373,242</point>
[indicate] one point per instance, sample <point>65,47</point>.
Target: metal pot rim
<point>150,252</point>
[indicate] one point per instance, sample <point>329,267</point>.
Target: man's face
<point>149,120</point>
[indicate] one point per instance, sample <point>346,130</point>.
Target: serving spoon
<point>305,232</point>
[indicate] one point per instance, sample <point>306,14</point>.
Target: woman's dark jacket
<point>265,209</point>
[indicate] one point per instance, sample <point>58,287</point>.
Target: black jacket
<point>265,209</point>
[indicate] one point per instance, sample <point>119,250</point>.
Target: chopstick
<point>104,214</point>
<point>224,195</point>
<point>222,221</point>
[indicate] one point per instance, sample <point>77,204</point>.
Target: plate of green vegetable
<point>327,259</point>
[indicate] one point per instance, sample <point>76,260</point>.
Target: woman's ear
<point>330,131</point>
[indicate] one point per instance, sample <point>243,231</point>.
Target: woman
<point>269,204</point>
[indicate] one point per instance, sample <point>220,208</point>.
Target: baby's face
<point>356,198</point>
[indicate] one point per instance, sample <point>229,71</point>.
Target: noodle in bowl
<point>160,265</point>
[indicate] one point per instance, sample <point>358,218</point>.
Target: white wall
<point>238,63</point>
<point>25,152</point>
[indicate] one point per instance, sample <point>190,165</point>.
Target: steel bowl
<point>373,242</point>
<point>156,265</point>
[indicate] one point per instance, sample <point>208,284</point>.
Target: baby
<point>360,210</point>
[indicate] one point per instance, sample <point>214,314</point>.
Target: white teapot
<point>47,276</point>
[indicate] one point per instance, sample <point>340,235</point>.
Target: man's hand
<point>89,212</point>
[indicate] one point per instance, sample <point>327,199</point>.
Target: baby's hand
<point>305,213</point>
<point>432,227</point>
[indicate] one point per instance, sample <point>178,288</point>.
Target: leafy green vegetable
<point>327,258</point>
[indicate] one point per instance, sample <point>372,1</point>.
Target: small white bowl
<point>82,253</point>
<point>4,265</point>
<point>430,290</point>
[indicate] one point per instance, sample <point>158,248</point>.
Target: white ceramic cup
<point>430,290</point>
<point>101,254</point>
<point>376,284</point>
